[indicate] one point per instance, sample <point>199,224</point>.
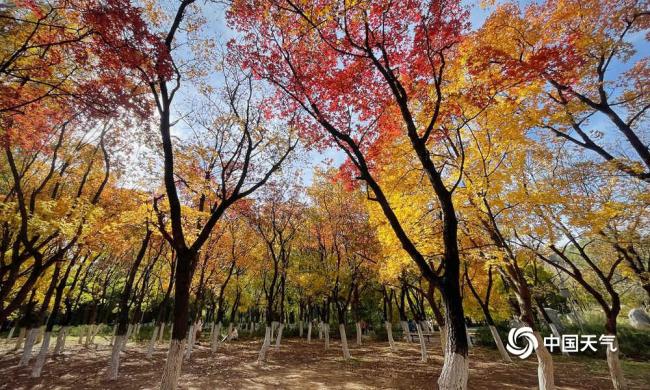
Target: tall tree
<point>381,73</point>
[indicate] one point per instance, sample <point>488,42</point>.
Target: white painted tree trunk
<point>320,330</point>
<point>161,332</point>
<point>274,327</point>
<point>405,331</point>
<point>173,365</point>
<point>443,338</point>
<point>41,334</point>
<point>98,328</point>
<point>389,332</point>
<point>344,342</point>
<point>152,342</point>
<point>326,333</point>
<point>89,333</point>
<point>470,344</point>
<point>358,328</point>
<point>309,332</point>
<point>423,346</point>
<point>114,364</point>
<point>265,345</point>
<point>618,380</point>
<point>545,375</point>
<point>82,332</point>
<point>129,332</point>
<point>20,339</point>
<point>278,340</point>
<point>42,355</point>
<point>212,325</point>
<point>300,326</point>
<point>229,334</point>
<point>215,337</point>
<point>29,345</point>
<point>171,334</point>
<point>125,341</point>
<point>557,334</point>
<point>10,335</point>
<point>454,372</point>
<point>113,335</point>
<point>499,343</point>
<point>190,342</point>
<point>60,340</point>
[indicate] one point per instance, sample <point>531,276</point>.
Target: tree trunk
<point>405,331</point>
<point>42,355</point>
<point>190,341</point>
<point>265,345</point>
<point>326,333</point>
<point>344,342</point>
<point>615,370</point>
<point>499,343</point>
<point>60,340</point>
<point>469,339</point>
<point>215,337</point>
<point>29,345</point>
<point>113,335</point>
<point>423,345</point>
<point>161,333</point>
<point>455,369</point>
<point>82,333</point>
<point>10,335</point>
<point>152,342</point>
<point>358,328</point>
<point>279,338</point>
<point>274,326</point>
<point>443,338</point>
<point>545,375</point>
<point>389,332</point>
<point>230,330</point>
<point>19,340</point>
<point>174,363</point>
<point>556,333</point>
<point>309,332</point>
<point>114,366</point>
<point>545,372</point>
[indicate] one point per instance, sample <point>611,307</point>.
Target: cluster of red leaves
<point>321,56</point>
<point>72,56</point>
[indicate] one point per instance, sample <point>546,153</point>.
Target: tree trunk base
<point>615,370</point>
<point>173,365</point>
<point>261,358</point>
<point>42,355</point>
<point>344,342</point>
<point>454,372</point>
<point>545,375</point>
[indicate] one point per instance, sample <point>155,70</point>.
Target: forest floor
<point>298,365</point>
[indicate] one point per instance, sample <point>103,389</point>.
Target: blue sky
<point>217,27</point>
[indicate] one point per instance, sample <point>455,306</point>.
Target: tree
<point>242,154</point>
<point>574,72</point>
<point>275,221</point>
<point>387,61</point>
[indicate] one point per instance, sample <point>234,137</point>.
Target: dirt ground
<point>298,365</point>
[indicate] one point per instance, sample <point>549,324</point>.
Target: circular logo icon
<point>525,333</point>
